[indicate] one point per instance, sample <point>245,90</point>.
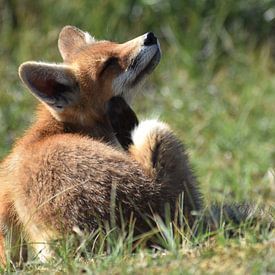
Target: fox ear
<point>52,84</point>
<point>70,39</point>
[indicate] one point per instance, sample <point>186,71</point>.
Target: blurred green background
<point>215,84</point>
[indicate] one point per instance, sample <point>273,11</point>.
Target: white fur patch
<point>43,252</point>
<point>88,38</point>
<point>146,128</point>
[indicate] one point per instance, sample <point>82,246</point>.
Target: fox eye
<point>108,63</point>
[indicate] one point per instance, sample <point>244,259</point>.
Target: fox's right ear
<point>52,84</point>
<point>71,39</point>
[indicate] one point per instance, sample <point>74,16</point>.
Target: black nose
<point>150,39</point>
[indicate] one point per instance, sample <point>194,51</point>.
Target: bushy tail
<point>163,157</point>
<point>237,214</point>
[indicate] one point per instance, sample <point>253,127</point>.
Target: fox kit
<point>62,173</point>
<point>81,152</point>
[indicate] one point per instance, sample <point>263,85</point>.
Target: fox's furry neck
<point>46,126</point>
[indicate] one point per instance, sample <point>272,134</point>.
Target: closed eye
<point>108,63</point>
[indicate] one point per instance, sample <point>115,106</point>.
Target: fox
<point>86,156</point>
<point>62,173</point>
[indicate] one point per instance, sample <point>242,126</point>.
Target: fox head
<point>79,89</point>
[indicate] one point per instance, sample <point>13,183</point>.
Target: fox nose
<point>150,39</point>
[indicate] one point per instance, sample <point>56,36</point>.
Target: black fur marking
<point>155,155</point>
<point>113,61</point>
<point>123,120</point>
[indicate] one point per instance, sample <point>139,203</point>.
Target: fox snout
<point>150,39</point>
<point>146,54</point>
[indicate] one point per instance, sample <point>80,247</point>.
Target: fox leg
<point>3,261</point>
<point>4,212</point>
<point>36,234</point>
<point>163,157</point>
<point>11,230</point>
<point>11,241</point>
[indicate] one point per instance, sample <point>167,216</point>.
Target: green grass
<point>251,251</point>
<point>215,86</point>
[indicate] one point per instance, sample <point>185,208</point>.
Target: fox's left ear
<point>71,39</point>
<point>55,85</point>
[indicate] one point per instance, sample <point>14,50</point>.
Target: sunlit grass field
<point>215,86</point>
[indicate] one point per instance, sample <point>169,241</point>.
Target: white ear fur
<point>88,38</point>
<point>71,39</point>
<point>52,84</point>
